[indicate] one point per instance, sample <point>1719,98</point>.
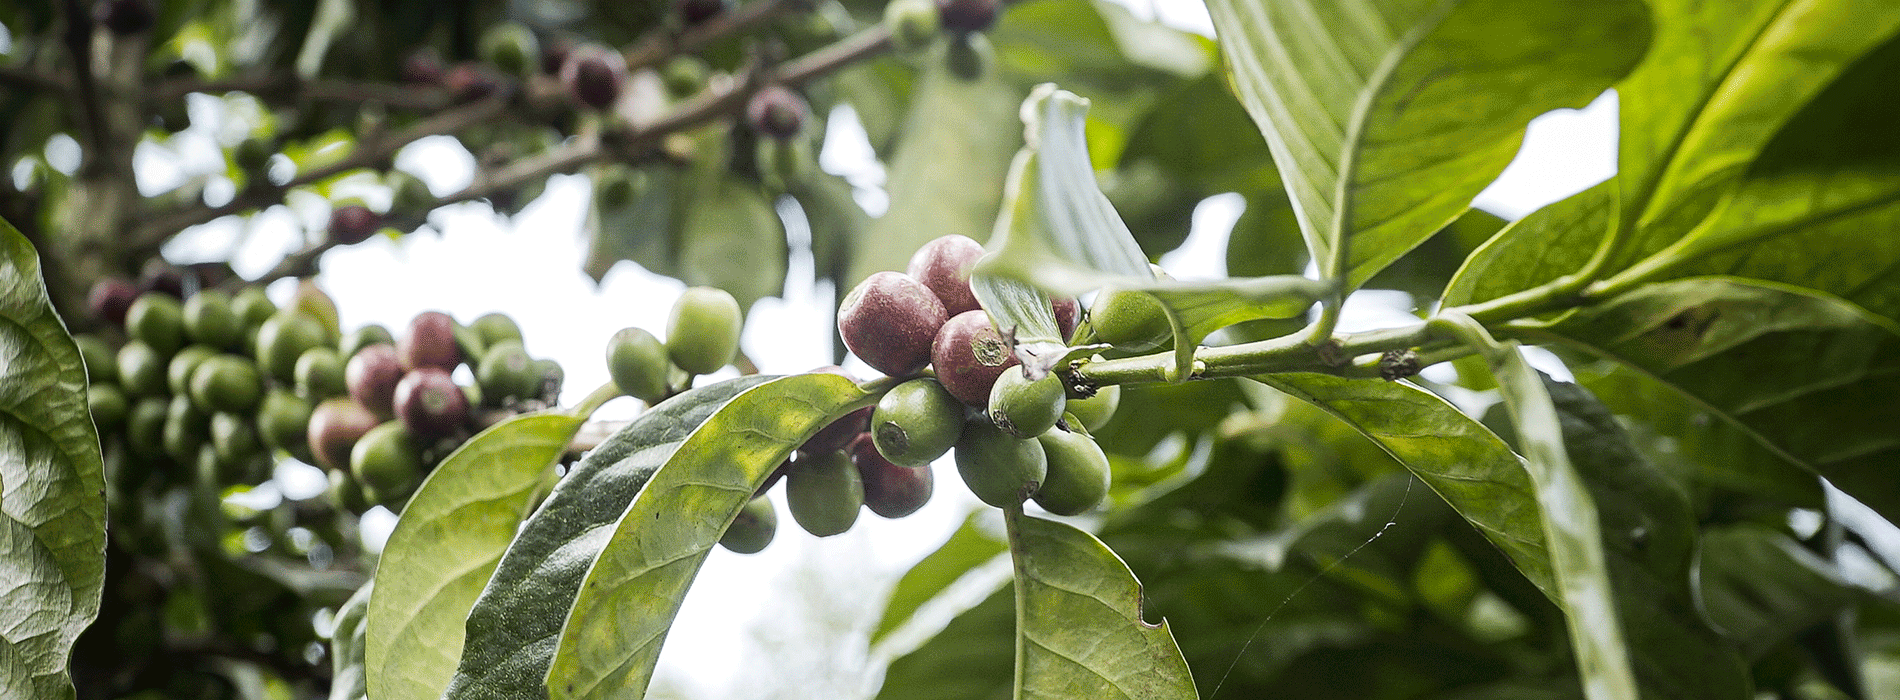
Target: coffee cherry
<point>1023,407</point>
<point>429,403</point>
<point>777,112</point>
<point>913,24</point>
<point>508,47</point>
<point>969,355</point>
<point>703,334</point>
<point>226,383</point>
<point>551,376</point>
<point>125,17</point>
<point>839,434</point>
<point>916,422</point>
<point>1131,320</point>
<point>235,443</point>
<point>387,461</point>
<point>1068,313</point>
<point>283,338</point>
<point>366,336</point>
<point>890,321</point>
<point>890,491</point>
<point>108,406</point>
<point>495,327</point>
<point>283,422</point>
<point>944,265</point>
<point>162,277</point>
<point>320,374</point>
<point>187,428</point>
<point>1001,469</point>
<point>506,372</point>
<point>697,11</point>
<point>252,307</point>
<point>637,362</point>
<point>141,370</point>
<point>594,75</point>
<point>371,377</point>
<point>965,16</point>
<point>684,76</point>
<point>353,223</point>
<point>145,427</point>
<point>102,363</point>
<point>211,320</point>
<point>408,195</point>
<point>157,320</point>
<point>1094,411</point>
<point>824,493</point>
<point>752,529</point>
<point>335,427</point>
<point>110,298</point>
<point>178,371</point>
<point>429,343</point>
<point>1078,475</point>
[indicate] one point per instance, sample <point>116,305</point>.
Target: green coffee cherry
<point>752,529</point>
<point>235,442</point>
<point>283,422</point>
<point>1095,411</point>
<point>102,364</point>
<point>1131,320</point>
<point>1078,475</point>
<point>408,195</point>
<point>211,320</point>
<point>999,468</point>
<point>283,339</point>
<point>1023,407</point>
<point>551,377</point>
<point>157,320</point>
<point>638,363</point>
<point>145,426</point>
<point>913,24</point>
<point>511,48</point>
<point>494,328</point>
<point>178,371</point>
<point>825,493</point>
<point>141,369</point>
<point>506,372</point>
<point>252,154</point>
<point>320,374</point>
<point>187,428</point>
<point>372,334</point>
<point>916,422</point>
<point>703,334</point>
<point>252,307</point>
<point>108,406</point>
<point>387,461</point>
<point>226,383</point>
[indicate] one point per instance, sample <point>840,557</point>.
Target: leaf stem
<point>1290,353</point>
<point>603,394</point>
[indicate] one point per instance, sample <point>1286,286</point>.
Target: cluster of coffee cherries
<point>1015,437</point>
<point>208,387</point>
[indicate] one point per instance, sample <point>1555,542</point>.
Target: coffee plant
<point>1212,486</point>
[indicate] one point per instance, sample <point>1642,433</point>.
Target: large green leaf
<point>1566,232</point>
<point>728,219</point>
<point>947,175</point>
<point>1386,119</point>
<point>52,485</point>
<point>969,660</point>
<point>1459,458</point>
<point>1809,375</point>
<point>452,533</point>
<point>1761,587</point>
<point>514,624</point>
<point>1079,627</point>
<point>621,613</point>
<point>1572,526</point>
<point>968,547</point>
<point>348,646</point>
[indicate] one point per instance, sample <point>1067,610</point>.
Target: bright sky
<point>794,615</point>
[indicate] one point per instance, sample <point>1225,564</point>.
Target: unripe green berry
<point>372,334</point>
<point>1024,407</point>
<point>495,327</point>
<point>703,334</point>
<point>145,427</point>
<point>158,320</point>
<point>752,529</point>
<point>638,364</point>
<point>1094,411</point>
<point>916,422</point>
<point>511,48</point>
<point>825,493</point>
<point>913,24</point>
<point>1131,320</point>
<point>283,422</point>
<point>320,374</point>
<point>186,429</point>
<point>226,383</point>
<point>178,371</point>
<point>252,306</point>
<point>210,320</point>
<point>108,406</point>
<point>969,56</point>
<point>141,370</point>
<point>283,338</point>
<point>506,372</point>
<point>1078,475</point>
<point>1001,469</point>
<point>387,461</point>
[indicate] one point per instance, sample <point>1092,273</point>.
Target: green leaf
<point>1386,119</point>
<point>1079,627</point>
<point>968,547</point>
<point>451,534</point>
<point>1425,272</point>
<point>1719,82</point>
<point>947,175</point>
<point>728,219</point>
<point>622,612</point>
<point>640,230</point>
<point>348,644</point>
<point>1810,376</point>
<point>52,498</point>
<point>1548,243</point>
<point>969,660</point>
<point>1649,541</point>
<point>1760,587</point>
<point>1457,457</point>
<point>1569,513</point>
<point>514,624</point>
